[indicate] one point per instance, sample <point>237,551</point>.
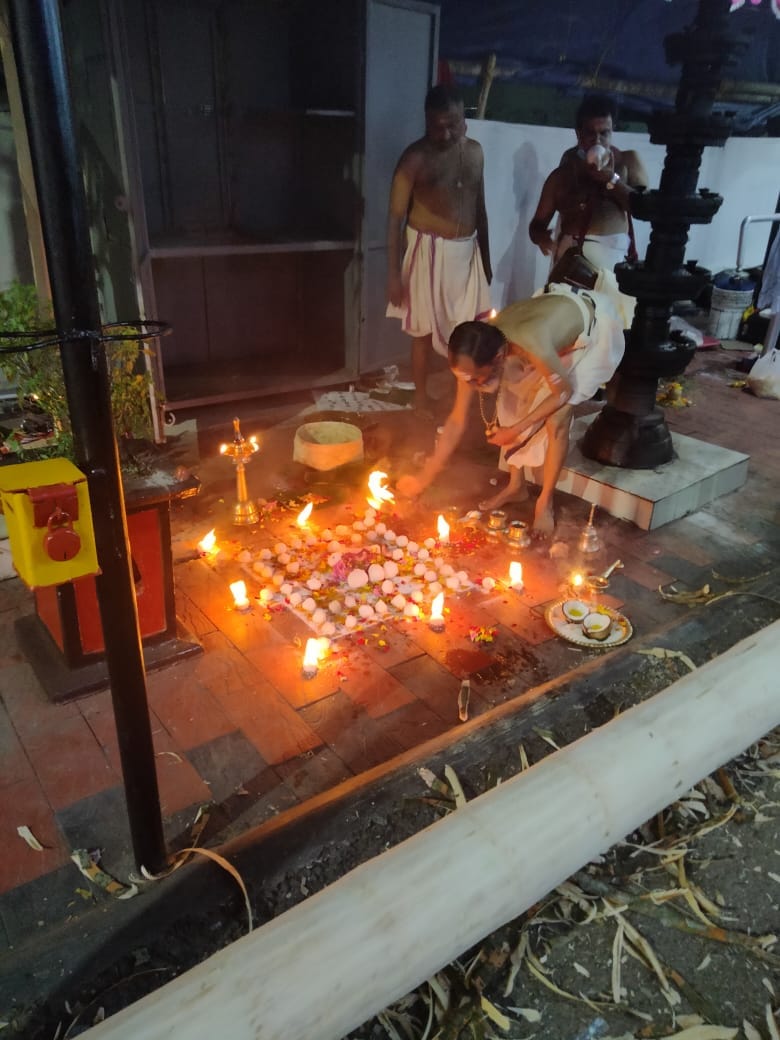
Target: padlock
<point>61,542</point>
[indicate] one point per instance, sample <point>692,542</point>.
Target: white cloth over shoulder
<point>445,284</point>
<point>589,363</point>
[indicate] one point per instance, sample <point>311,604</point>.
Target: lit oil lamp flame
<point>240,598</point>
<point>379,493</point>
<point>312,655</point>
<point>208,543</point>
<point>577,580</point>
<point>436,620</point>
<point>254,442</point>
<point>493,313</point>
<point>516,574</point>
<point>303,517</point>
<point>444,530</point>
<point>222,449</point>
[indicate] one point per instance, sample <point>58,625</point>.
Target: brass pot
<point>517,534</point>
<point>496,520</point>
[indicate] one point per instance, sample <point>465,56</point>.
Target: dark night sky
<point>556,40</point>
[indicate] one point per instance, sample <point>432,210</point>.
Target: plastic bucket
<point>726,312</point>
<point>732,294</point>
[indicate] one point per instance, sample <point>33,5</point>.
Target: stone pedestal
<point>696,474</point>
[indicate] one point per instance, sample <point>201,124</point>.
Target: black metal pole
<point>40,57</point>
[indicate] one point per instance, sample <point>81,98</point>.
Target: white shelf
<point>173,248</point>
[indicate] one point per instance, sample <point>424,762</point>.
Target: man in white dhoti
<point>437,197</point>
<point>528,366</point>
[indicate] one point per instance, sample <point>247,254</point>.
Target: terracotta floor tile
<point>98,712</point>
<point>371,686</point>
<point>388,645</point>
<point>187,709</point>
<point>27,705</point>
<point>14,764</point>
<point>190,615</point>
<point>179,784</point>
<point>25,804</point>
<point>221,667</point>
<point>282,666</point>
<point>672,542</point>
<point>414,724</point>
<point>643,573</point>
<point>207,586</point>
<point>267,720</point>
<point>69,762</point>
<point>9,645</point>
<point>359,741</point>
<point>313,773</point>
<point>520,619</point>
<point>433,684</point>
<point>231,765</point>
<point>16,601</point>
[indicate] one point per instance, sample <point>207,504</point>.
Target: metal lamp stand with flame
<point>241,451</point>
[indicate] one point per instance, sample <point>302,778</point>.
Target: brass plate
<point>573,633</point>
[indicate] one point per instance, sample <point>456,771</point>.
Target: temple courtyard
<point>280,755</point>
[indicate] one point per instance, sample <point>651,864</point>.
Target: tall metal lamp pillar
<point>631,430</point>
<point>241,451</point>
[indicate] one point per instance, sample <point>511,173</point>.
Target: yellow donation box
<point>46,507</point>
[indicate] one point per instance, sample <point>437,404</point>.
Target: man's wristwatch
<point>613,180</point>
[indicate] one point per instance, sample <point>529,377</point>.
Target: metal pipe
<point>771,218</point>
<point>40,56</point>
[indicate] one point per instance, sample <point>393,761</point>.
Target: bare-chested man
<point>441,276</point>
<point>528,366</point>
<point>592,197</point>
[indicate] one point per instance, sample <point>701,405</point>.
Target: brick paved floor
<point>236,726</point>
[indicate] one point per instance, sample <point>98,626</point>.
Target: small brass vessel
<point>596,583</point>
<point>496,520</point>
<point>517,534</point>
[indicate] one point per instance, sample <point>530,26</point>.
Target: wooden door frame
<point>433,11</point>
<point>127,137</point>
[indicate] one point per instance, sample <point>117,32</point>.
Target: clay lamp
<point>207,546</point>
<point>443,530</point>
<point>379,492</point>
<point>302,518</point>
<point>240,598</point>
<point>516,575</point>
<point>436,620</point>
<point>312,655</point>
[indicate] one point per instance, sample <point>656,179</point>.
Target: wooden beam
<point>486,82</point>
<point>327,965</point>
<point>23,161</point>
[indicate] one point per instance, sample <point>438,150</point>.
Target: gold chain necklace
<point>491,425</point>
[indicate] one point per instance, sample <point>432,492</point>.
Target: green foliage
<point>38,374</point>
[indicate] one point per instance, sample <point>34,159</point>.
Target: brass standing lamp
<point>241,450</point>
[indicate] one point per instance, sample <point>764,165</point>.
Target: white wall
<point>518,158</point>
